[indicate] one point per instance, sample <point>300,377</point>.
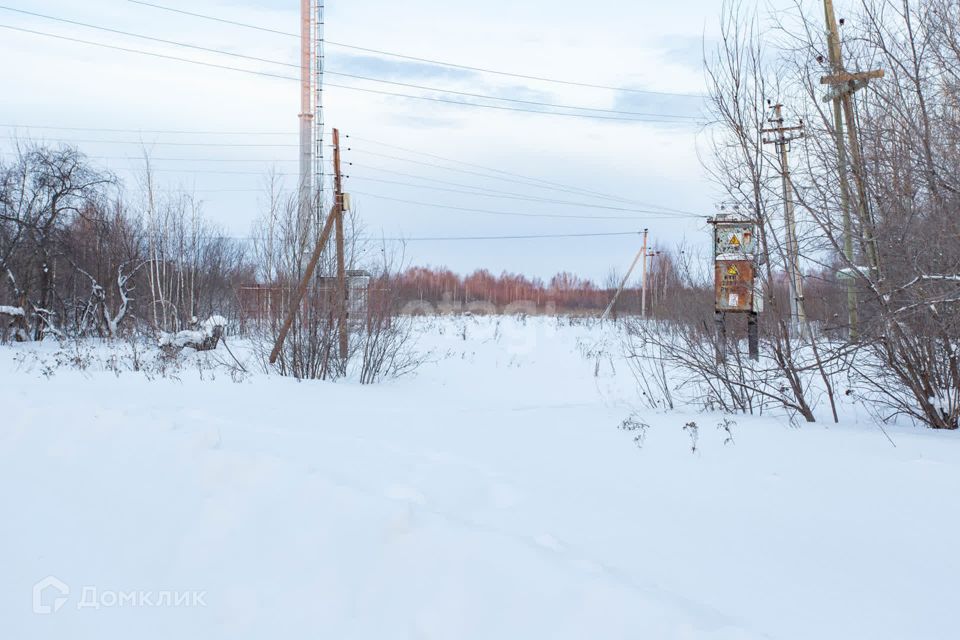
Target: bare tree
<point>41,193</point>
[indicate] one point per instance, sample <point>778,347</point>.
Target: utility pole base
<point>753,336</point>
<point>720,327</point>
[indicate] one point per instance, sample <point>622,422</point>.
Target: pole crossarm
<point>845,77</point>
<point>798,127</point>
<point>846,84</point>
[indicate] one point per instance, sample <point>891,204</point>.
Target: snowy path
<point>491,496</point>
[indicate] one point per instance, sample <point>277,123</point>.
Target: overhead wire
<point>467,189</point>
<point>516,181</point>
<point>328,71</point>
<point>536,236</point>
<point>152,131</point>
<point>236,160</point>
<point>339,86</point>
<point>420,59</point>
<point>148,143</point>
<point>654,215</point>
<point>516,237</point>
<point>663,214</point>
<point>512,175</point>
<point>437,180</point>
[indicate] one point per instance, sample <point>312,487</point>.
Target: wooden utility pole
<point>334,220</point>
<point>623,283</point>
<point>643,277</point>
<point>646,279</point>
<point>341,299</point>
<point>304,283</point>
<point>781,137</point>
<point>842,87</point>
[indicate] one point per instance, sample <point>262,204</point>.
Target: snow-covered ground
<point>490,495</point>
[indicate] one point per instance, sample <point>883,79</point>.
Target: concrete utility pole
<point>842,87</point>
<point>306,118</point>
<point>781,137</point>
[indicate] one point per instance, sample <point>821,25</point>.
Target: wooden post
<point>643,278</point>
<point>304,283</point>
<point>843,86</point>
<point>623,283</point>
<point>720,326</point>
<point>753,335</point>
<point>341,260</point>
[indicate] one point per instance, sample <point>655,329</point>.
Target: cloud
<point>686,51</point>
<point>395,69</point>
<point>655,103</point>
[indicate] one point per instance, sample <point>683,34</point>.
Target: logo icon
<point>54,585</point>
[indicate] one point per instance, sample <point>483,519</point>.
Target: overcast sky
<point>642,45</point>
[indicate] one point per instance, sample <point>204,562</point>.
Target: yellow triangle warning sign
<point>732,270</point>
<point>735,241</point>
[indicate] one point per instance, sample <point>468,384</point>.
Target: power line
<point>475,189</point>
<point>520,75</point>
<point>521,237</point>
<point>145,37</point>
<point>477,192</point>
<point>540,182</point>
<point>539,236</point>
<point>408,85</point>
<point>164,131</point>
<point>446,182</point>
<point>146,53</point>
<point>521,196</point>
<point>216,19</point>
<point>418,59</point>
<point>521,182</point>
<point>435,205</point>
<point>174,144</point>
<point>157,159</point>
<point>658,214</point>
<point>661,214</point>
<point>165,159</point>
<point>330,84</point>
<point>211,172</point>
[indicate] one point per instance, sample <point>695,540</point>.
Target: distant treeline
<point>679,288</point>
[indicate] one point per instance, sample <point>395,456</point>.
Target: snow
<point>489,496</point>
<point>212,323</point>
<point>182,339</point>
<point>11,311</point>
